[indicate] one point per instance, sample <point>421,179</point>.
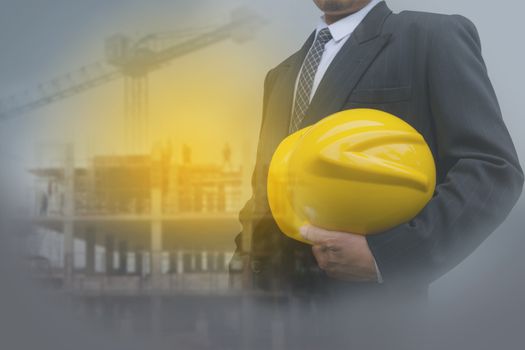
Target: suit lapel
<point>349,65</point>
<point>280,100</point>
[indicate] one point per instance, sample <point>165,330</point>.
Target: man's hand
<point>344,256</point>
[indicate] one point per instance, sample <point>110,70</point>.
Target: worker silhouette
<point>226,157</point>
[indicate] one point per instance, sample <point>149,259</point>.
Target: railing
<point>181,271</point>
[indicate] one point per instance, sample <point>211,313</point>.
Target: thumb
<point>314,234</point>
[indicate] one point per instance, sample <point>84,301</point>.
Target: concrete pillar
<point>110,249</point>
<point>69,234</point>
<point>69,213</point>
<point>138,261</point>
<point>156,249</point>
<point>156,214</point>
<point>123,257</point>
<point>90,238</point>
<point>180,262</point>
<point>204,257</point>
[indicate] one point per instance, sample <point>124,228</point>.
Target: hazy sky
<point>42,39</point>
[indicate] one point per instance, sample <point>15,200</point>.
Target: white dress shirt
<point>341,31</point>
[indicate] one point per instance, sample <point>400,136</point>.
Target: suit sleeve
<point>481,176</point>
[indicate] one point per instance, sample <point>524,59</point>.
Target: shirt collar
<point>346,26</point>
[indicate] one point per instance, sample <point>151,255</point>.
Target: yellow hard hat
<point>361,170</point>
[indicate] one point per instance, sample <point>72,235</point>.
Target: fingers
<point>312,234</point>
<point>337,254</point>
<point>326,256</point>
<point>317,235</point>
<point>325,246</point>
<point>320,256</point>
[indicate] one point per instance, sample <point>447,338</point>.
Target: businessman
<point>426,69</point>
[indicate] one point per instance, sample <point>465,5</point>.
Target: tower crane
<point>131,59</point>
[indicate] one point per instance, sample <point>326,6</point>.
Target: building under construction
<point>136,223</point>
<point>145,244</point>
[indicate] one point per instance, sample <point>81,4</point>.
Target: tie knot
<point>324,36</point>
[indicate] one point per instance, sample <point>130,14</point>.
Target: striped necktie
<point>306,80</point>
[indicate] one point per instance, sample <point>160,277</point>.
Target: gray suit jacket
<point>428,70</point>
